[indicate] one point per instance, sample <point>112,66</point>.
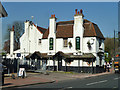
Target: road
<point>105,81</point>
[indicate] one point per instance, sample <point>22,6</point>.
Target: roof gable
<point>40,29</point>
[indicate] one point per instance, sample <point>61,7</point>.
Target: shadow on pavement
<point>7,84</point>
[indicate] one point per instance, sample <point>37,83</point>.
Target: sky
<point>104,14</point>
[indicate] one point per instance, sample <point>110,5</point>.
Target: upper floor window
<point>77,43</point>
<point>39,40</point>
<point>51,44</point>
<point>100,42</point>
<point>65,42</point>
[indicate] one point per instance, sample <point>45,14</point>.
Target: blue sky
<point>104,14</point>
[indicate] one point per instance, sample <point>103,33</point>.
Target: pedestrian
<point>105,67</point>
<point>108,67</point>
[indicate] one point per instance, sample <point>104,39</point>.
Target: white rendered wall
<point>29,42</point>
<point>74,63</point>
<point>85,45</point>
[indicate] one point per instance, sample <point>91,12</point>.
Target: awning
<point>85,56</point>
<point>28,56</point>
<point>61,54</point>
<point>100,53</point>
<point>65,56</point>
<point>38,55</point>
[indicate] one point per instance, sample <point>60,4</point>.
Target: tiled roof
<point>65,30</point>
<point>42,30</point>
<point>85,56</point>
<point>38,55</point>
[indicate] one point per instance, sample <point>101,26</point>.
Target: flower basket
<point>70,44</point>
<point>89,45</point>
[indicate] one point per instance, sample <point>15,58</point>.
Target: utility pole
<point>114,44</point>
<point>119,40</point>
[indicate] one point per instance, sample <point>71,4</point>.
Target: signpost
<point>18,55</point>
<point>22,72</point>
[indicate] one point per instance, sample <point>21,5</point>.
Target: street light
<point>115,39</point>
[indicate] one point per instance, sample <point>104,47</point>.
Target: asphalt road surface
<point>111,81</point>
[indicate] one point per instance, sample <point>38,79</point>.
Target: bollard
<point>2,78</point>
<point>13,76</point>
<point>23,76</point>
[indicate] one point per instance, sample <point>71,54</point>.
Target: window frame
<point>40,41</point>
<point>100,42</point>
<point>65,42</point>
<point>51,44</point>
<point>77,48</point>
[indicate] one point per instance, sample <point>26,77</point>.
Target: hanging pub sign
<point>18,54</point>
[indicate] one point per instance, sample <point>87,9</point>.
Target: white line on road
<point>69,87</point>
<point>116,78</point>
<point>97,82</point>
<point>66,88</point>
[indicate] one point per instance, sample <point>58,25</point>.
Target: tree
<point>7,46</point>
<point>109,47</point>
<point>18,31</point>
<point>106,58</point>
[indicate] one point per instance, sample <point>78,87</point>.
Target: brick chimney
<point>78,26</point>
<point>78,17</point>
<point>75,11</point>
<point>52,24</point>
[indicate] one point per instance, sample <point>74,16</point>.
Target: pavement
<point>38,78</point>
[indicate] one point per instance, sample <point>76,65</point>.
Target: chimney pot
<point>13,28</point>
<point>81,11</point>
<point>54,15</point>
<point>78,12</point>
<point>75,11</point>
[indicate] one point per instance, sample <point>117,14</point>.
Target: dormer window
<point>77,43</point>
<point>65,42</point>
<point>51,44</point>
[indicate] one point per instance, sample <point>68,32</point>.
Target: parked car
<point>2,67</point>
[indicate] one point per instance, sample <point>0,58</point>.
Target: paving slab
<point>38,78</point>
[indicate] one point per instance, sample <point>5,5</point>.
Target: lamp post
<point>115,40</point>
<point>114,44</point>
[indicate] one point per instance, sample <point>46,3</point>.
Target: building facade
<point>76,45</point>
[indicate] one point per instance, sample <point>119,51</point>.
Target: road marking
<point>69,87</point>
<point>66,88</point>
<point>116,78</point>
<point>114,87</point>
<point>97,82</point>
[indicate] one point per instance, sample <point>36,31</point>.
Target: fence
<point>14,64</point>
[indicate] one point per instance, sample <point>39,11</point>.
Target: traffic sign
<point>18,54</point>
